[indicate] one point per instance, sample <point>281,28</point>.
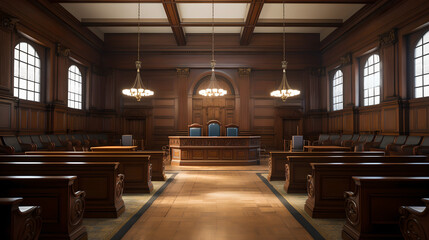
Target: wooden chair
<point>41,145</point>
<point>322,138</point>
<point>404,149</point>
<point>423,148</point>
<point>379,144</point>
<point>195,130</point>
<point>12,145</point>
<point>231,130</point>
<point>56,141</point>
<point>213,128</point>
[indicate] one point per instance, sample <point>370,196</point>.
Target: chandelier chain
<point>284,34</point>
<point>213,30</point>
<point>138,32</point>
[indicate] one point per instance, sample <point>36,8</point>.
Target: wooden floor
<point>217,204</point>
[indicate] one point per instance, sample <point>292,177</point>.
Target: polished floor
<point>213,203</point>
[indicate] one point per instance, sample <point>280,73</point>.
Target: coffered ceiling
<point>244,17</point>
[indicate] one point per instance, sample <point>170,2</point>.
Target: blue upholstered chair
<point>213,128</point>
<point>195,130</point>
<point>231,130</point>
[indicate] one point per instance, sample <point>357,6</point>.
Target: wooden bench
<point>156,159</point>
<point>62,208</point>
<point>136,168</point>
<point>372,209</point>
<point>100,180</point>
<point>19,222</point>
<point>414,221</point>
<point>328,182</point>
<point>278,159</point>
<point>298,167</point>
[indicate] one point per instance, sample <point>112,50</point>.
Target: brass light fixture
<point>284,91</point>
<point>138,90</point>
<point>213,89</point>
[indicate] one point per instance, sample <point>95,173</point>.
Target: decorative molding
<point>8,22</point>
<point>244,72</point>
<point>388,38</point>
<point>62,51</point>
<point>346,59</point>
<point>182,71</point>
<point>318,72</point>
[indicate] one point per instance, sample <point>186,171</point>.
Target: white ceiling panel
<point>309,11</point>
<point>115,10</point>
<point>134,29</point>
<point>324,32</point>
<point>209,29</point>
<point>204,10</point>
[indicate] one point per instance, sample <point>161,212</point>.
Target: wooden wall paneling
<point>370,119</point>
<point>8,113</point>
<point>164,120</point>
<point>32,117</point>
<point>391,117</point>
<point>418,117</point>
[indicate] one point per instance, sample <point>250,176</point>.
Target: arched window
<point>337,91</point>
<point>421,63</point>
<point>75,87</point>
<point>371,81</point>
<point>26,74</point>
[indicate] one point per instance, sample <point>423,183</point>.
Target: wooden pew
<point>156,159</point>
<point>136,168</point>
<point>19,222</point>
<point>100,180</point>
<point>372,209</point>
<point>298,167</point>
<point>62,208</point>
<point>414,221</point>
<point>278,159</point>
<point>328,182</point>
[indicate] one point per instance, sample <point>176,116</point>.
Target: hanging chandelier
<point>138,90</point>
<point>213,89</point>
<point>284,91</point>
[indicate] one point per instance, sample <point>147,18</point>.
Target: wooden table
<point>326,148</point>
<point>114,148</point>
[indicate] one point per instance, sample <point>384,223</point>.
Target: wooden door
<point>290,128</point>
<point>136,127</point>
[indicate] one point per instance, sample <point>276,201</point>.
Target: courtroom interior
<point>214,119</point>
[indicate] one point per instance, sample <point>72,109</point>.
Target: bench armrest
<point>28,147</point>
<point>7,149</point>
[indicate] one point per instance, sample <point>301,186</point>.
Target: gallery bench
<point>278,159</point>
<point>100,180</point>
<point>19,222</point>
<point>156,159</point>
<point>328,182</point>
<point>61,206</point>
<point>136,168</point>
<point>414,221</point>
<point>298,167</point>
<point>372,208</point>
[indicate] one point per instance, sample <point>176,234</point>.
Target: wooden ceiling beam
<point>218,1</point>
<point>270,23</point>
<point>251,20</point>
<point>170,8</point>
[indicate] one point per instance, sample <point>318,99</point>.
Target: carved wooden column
<point>244,91</point>
<point>182,93</point>
<point>348,90</point>
<point>388,55</point>
<point>8,25</point>
<point>392,114</point>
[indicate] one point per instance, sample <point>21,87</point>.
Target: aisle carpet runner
<point>135,205</point>
<point>318,228</point>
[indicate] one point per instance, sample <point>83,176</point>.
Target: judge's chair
<point>195,130</point>
<point>213,128</point>
<point>231,130</point>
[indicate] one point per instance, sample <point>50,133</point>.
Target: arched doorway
<point>222,109</point>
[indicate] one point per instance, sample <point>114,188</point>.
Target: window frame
<point>82,70</point>
<point>362,62</point>
<point>331,88</point>
<point>41,51</point>
<point>413,39</point>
